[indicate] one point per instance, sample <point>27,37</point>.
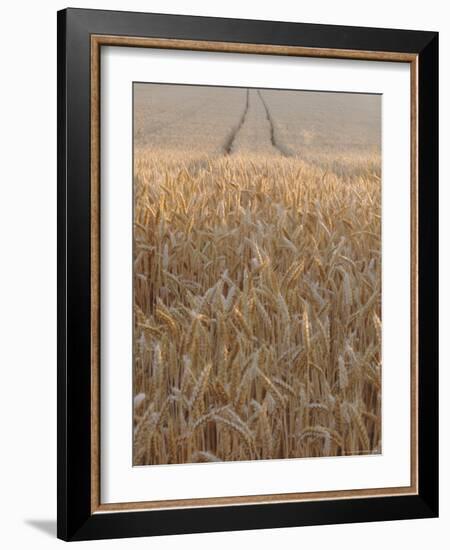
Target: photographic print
<point>257,274</point>
<point>226,300</point>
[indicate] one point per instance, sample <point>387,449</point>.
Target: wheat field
<point>257,283</point>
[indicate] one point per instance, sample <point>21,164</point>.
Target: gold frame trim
<point>97,41</point>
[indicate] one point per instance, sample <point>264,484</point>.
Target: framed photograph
<point>247,254</point>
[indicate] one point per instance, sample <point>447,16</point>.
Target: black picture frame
<point>75,519</point>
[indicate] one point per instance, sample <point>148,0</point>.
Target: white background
<point>28,274</point>
<point>120,482</point>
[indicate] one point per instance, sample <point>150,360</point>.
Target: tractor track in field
<point>273,139</point>
<point>235,136</point>
<point>231,139</point>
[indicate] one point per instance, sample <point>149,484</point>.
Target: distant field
<point>186,117</point>
<point>257,274</point>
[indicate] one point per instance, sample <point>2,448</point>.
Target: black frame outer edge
<point>75,521</point>
<point>61,281</point>
<point>428,123</point>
